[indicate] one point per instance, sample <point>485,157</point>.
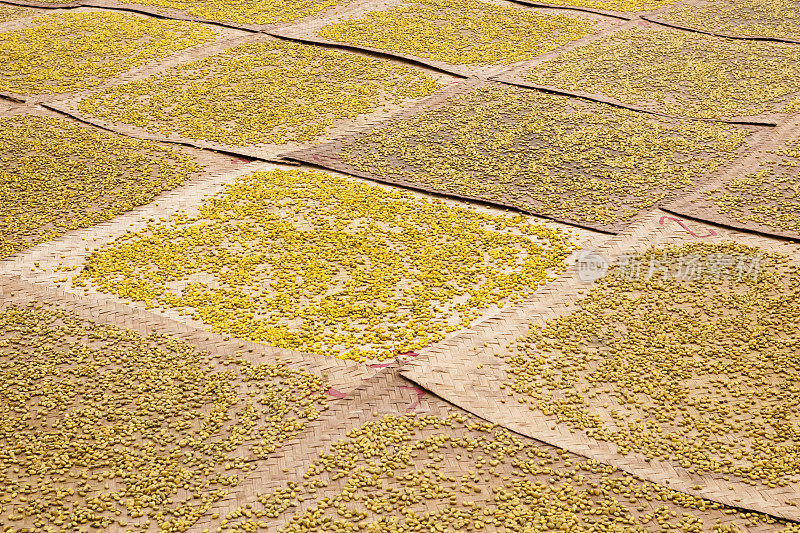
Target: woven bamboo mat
<point>59,258</point>
<point>341,376</point>
<point>647,66</point>
<point>58,262</point>
<point>591,6</point>
<point>136,122</point>
<point>70,338</point>
<point>474,371</point>
<point>757,193</point>
<point>44,5</point>
<point>474,141</point>
<point>230,15</point>
<point>61,175</point>
<point>744,19</point>
<point>355,30</point>
<point>13,13</point>
<point>435,466</point>
<point>49,20</point>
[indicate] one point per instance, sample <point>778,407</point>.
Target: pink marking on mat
<point>316,157</point>
<point>412,354</point>
<point>335,393</point>
<point>711,232</point>
<point>420,395</point>
<point>379,365</point>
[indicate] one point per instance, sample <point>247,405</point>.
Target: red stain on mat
<point>710,233</point>
<point>335,393</point>
<point>420,394</point>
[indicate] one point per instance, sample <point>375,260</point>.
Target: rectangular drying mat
<point>59,175</point>
<point>649,66</point>
<point>522,148</point>
<point>136,398</point>
<point>757,193</point>
<point>351,29</point>
<point>436,465</point>
<point>63,52</point>
<point>241,15</point>
<point>238,128</point>
<point>591,6</point>
<point>476,370</point>
<point>741,19</point>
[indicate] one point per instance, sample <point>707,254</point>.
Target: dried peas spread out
<point>103,428</point>
<point>260,93</point>
<point>551,155</point>
<point>73,51</point>
<point>681,73</point>
<point>313,262</point>
<point>57,175</point>
<point>246,11</point>
<point>769,196</point>
<point>460,31</point>
<point>747,18</point>
<point>684,353</point>
<point>455,473</point>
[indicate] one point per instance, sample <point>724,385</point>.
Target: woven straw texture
<point>476,141</point>
<point>484,39</point>
<point>474,371</point>
<point>652,67</point>
<point>392,454</point>
<point>757,193</point>
<point>743,19</point>
<point>179,108</point>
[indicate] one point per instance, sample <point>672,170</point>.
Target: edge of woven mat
<point>714,33</point>
<point>698,207</point>
<point>211,161</point>
<point>169,13</point>
<point>264,152</point>
<point>223,35</point>
<point>342,376</point>
<point>514,76</point>
<point>308,35</point>
<point>479,393</point>
<point>43,5</point>
<point>385,394</point>
<point>622,15</point>
<point>326,156</point>
<point>654,17</point>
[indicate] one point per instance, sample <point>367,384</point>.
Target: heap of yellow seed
<point>746,18</point>
<point>684,353</point>
<point>72,51</point>
<point>614,5</point>
<point>56,176</point>
<point>427,473</point>
<point>309,261</point>
<point>14,12</point>
<point>547,154</point>
<point>681,73</point>
<point>460,31</point>
<point>770,196</point>
<point>104,428</point>
<point>246,11</point>
<point>260,93</point>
